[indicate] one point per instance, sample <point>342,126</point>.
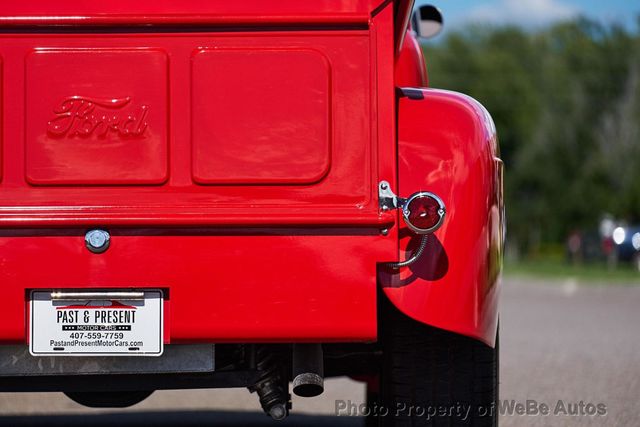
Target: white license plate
<point>97,326</point>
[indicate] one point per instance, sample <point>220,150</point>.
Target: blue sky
<point>535,13</point>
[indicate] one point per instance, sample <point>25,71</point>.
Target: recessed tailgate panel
<point>260,116</point>
<point>96,116</point>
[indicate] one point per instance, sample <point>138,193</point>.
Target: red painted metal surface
<point>285,122</point>
<point>402,21</point>
<point>184,12</point>
<point>411,69</point>
<point>268,143</point>
<point>447,145</point>
<point>221,286</point>
<point>99,123</point>
<point>137,129</point>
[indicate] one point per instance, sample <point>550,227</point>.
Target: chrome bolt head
<point>97,241</point>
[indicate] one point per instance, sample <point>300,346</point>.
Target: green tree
<point>566,102</point>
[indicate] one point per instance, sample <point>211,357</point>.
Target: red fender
<point>447,145</point>
<point>410,67</point>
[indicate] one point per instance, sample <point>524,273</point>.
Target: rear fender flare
<point>447,144</point>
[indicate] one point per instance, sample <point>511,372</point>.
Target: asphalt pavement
<point>566,346</point>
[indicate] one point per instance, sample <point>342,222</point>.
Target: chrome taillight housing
<point>423,212</point>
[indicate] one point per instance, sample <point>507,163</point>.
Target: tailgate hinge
<point>387,198</point>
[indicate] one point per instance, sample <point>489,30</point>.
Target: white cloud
<point>523,12</point>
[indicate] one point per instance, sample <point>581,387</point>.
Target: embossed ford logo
<point>83,116</point>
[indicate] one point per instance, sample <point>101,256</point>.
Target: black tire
<point>108,399</point>
<point>426,369</point>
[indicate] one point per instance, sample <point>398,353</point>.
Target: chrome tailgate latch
<point>388,199</point>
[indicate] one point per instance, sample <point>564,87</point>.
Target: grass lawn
<point>558,269</point>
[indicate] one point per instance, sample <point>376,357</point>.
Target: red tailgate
<point>232,149</point>
<point>180,128</point>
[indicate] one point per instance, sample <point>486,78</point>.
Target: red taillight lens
<point>424,212</point>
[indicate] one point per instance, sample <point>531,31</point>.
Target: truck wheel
<point>434,377</point>
<point>108,399</point>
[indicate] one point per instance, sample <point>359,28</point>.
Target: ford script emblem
<point>83,116</point>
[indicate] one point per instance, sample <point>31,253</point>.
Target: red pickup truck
<point>201,194</point>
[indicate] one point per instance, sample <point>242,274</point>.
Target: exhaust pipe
<point>272,387</point>
<point>308,370</point>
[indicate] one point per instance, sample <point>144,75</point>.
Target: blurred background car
<point>627,245</point>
